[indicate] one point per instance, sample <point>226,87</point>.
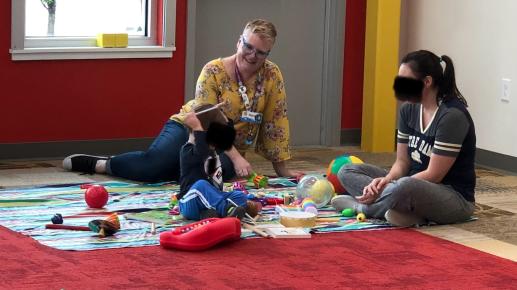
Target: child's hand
<point>192,122</point>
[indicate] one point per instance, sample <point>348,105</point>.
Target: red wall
<point>88,99</point>
<point>353,67</point>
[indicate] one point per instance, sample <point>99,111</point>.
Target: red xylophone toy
<point>202,235</point>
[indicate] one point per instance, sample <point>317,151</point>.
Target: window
<point>67,29</point>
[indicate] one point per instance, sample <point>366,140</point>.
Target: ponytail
<point>448,88</point>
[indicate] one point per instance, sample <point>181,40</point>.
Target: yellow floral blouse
<point>214,85</point>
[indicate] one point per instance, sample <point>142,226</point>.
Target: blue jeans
<point>161,161</point>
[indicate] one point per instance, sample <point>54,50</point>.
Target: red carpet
<point>363,260</point>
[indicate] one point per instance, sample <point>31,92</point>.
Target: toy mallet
<point>67,227</point>
<point>211,108</point>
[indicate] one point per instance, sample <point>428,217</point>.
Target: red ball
<point>96,196</point>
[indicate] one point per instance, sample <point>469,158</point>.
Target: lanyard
<point>245,99</point>
<point>243,90</point>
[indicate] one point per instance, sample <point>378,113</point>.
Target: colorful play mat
<point>143,211</point>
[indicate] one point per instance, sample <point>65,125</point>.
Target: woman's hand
<point>242,166</point>
<point>291,173</point>
<point>373,190</point>
<point>282,170</point>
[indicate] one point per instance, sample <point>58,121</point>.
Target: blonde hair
<point>263,28</point>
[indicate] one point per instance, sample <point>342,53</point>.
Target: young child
<point>201,183</point>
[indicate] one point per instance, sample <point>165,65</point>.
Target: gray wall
<point>479,36</point>
<point>308,50</point>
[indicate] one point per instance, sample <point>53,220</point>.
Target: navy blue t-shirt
<point>197,162</point>
<point>450,133</point>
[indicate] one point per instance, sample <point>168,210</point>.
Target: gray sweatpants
<point>434,202</point>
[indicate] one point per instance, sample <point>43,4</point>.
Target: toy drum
<point>298,219</point>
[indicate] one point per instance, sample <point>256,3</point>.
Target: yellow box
<point>106,40</point>
<point>112,40</point>
<point>121,40</point>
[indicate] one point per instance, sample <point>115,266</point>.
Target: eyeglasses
<point>249,49</point>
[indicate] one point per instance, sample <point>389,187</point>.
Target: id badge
<point>251,117</point>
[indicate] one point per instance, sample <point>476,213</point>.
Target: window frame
<point>23,48</point>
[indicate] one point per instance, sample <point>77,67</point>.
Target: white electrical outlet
<point>506,90</point>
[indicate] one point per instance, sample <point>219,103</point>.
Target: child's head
<point>253,208</point>
<point>219,130</point>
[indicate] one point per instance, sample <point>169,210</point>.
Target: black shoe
<point>208,213</point>
<point>82,162</point>
<point>236,211</point>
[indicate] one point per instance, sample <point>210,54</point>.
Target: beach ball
<point>315,187</point>
<point>334,167</point>
<point>96,196</point>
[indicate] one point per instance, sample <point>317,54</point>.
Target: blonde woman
<point>252,91</point>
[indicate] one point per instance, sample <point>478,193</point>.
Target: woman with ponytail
<point>433,178</point>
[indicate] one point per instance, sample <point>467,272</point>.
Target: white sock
<point>100,166</point>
